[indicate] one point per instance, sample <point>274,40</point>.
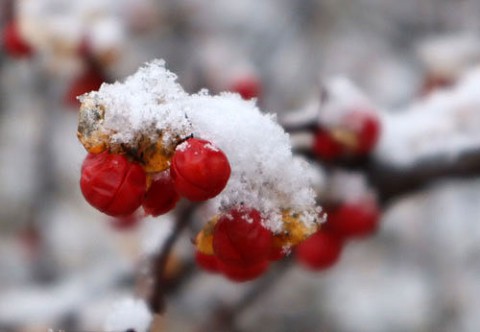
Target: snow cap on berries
<point>264,174</point>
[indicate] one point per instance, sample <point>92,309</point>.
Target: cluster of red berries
<point>356,135</point>
<point>345,221</point>
<point>241,247</point>
<point>118,186</point>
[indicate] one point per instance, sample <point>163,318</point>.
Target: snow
<point>264,176</point>
<point>128,314</point>
<point>451,54</point>
<point>445,124</point>
<point>143,103</point>
<point>340,97</point>
<point>34,304</point>
<point>349,187</point>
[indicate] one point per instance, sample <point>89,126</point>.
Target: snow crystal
<point>182,146</point>
<point>264,174</point>
<point>211,147</point>
<point>141,104</point>
<point>128,314</point>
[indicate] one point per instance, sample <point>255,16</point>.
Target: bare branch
<point>159,262</point>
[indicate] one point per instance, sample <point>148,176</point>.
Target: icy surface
<point>264,174</point>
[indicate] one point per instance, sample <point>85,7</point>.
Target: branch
<point>392,181</point>
<point>159,261</point>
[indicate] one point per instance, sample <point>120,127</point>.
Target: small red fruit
<point>112,184</point>
<point>367,129</point>
<point>356,135</point>
<point>276,251</point>
<point>276,254</point>
<point>207,262</point>
<point>240,239</point>
<point>354,219</point>
<point>161,197</point>
<point>90,80</point>
<point>200,170</point>
<point>247,86</point>
<point>320,251</point>
<point>325,147</point>
<point>243,273</point>
<point>14,44</point>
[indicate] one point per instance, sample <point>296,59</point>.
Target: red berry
<point>199,170</point>
<point>112,184</point>
<point>354,219</point>
<point>243,273</point>
<point>367,129</point>
<point>161,197</point>
<point>325,147</point>
<point>247,86</point>
<point>276,253</point>
<point>207,262</point>
<point>240,239</point>
<point>320,251</point>
<point>14,44</point>
<point>90,80</point>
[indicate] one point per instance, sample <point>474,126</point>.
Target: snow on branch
<point>444,124</point>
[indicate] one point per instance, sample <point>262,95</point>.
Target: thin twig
<point>159,261</point>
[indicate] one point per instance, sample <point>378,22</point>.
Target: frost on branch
<point>149,115</point>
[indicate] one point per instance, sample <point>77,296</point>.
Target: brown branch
<point>156,300</point>
<point>392,181</point>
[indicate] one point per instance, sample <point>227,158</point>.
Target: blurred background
<point>63,265</point>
